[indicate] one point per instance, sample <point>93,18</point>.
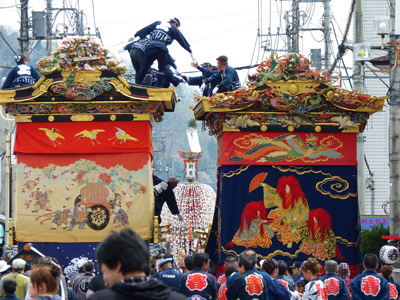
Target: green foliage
<point>192,123</point>
<point>371,239</point>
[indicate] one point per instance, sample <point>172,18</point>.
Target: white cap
<point>3,266</point>
<point>18,263</point>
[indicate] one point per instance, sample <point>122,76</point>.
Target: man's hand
<point>193,58</point>
<point>195,64</point>
<point>180,217</point>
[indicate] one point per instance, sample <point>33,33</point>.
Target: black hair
<point>9,286</point>
<point>199,259</point>
<point>370,261</point>
<point>246,259</point>
<point>189,262</point>
<point>232,267</point>
<point>89,266</point>
<point>282,267</point>
<point>125,247</point>
<point>230,259</point>
<point>302,283</point>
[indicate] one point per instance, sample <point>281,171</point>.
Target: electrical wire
<point>339,55</point>
<point>5,41</point>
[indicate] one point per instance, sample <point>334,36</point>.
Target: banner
<point>73,198</point>
<point>287,212</point>
<point>277,148</point>
<point>83,137</point>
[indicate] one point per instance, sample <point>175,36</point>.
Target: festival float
<point>196,203</point>
<point>287,165</point>
<point>83,145</point>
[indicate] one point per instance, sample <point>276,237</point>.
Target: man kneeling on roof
<point>226,79</point>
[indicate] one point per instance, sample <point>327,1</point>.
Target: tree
<point>371,239</point>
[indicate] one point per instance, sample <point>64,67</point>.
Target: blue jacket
<point>163,34</point>
<point>247,286</point>
<point>286,282</point>
<point>198,283</point>
<point>277,291</point>
<point>369,285</point>
<point>11,296</point>
<point>139,45</point>
<point>336,287</point>
<point>170,277</point>
<point>20,76</point>
<point>228,79</point>
<point>267,279</point>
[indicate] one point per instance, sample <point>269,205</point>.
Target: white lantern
<point>389,254</point>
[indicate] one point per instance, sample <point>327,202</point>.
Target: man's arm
<point>345,291</point>
<point>146,30</point>
<point>234,289</point>
<point>178,36</point>
<point>355,292</point>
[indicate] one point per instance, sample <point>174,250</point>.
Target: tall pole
<point>49,26</point>
<point>295,26</point>
<point>359,86</point>
<point>327,33</point>
<point>394,132</point>
<point>24,37</point>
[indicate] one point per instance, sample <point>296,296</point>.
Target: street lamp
<point>362,54</point>
<point>382,27</point>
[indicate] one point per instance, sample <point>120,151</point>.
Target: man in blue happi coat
<point>336,287</point>
<point>369,285</point>
<point>226,79</point>
<point>168,274</point>
<point>161,34</point>
<point>21,75</point>
<point>249,285</point>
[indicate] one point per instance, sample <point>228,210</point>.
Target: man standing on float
<point>161,34</point>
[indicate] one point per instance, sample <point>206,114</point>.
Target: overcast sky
<point>212,28</point>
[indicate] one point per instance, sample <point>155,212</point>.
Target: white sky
<point>213,28</point>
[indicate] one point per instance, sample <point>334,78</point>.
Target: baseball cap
<point>18,263</point>
<point>175,20</point>
<point>296,264</point>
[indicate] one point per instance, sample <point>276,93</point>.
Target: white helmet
<point>389,254</point>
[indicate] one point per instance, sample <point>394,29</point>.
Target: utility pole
<point>295,27</point>
<point>327,33</point>
<point>394,130</point>
<point>359,86</point>
<point>24,37</point>
<point>49,26</point>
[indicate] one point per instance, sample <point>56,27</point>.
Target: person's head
<point>165,263</point>
<point>21,59</point>
<point>370,261</point>
<point>330,266</point>
<point>18,265</point>
<point>189,263</point>
<point>222,62</point>
<point>282,266</point>
<point>247,260</point>
<point>207,65</point>
<point>3,266</point>
<point>89,267</point>
<point>229,269</point>
<point>343,270</point>
<point>123,254</point>
<point>200,260</point>
<point>300,285</point>
<point>387,271</point>
<point>310,268</point>
<point>44,280</point>
<point>34,264</point>
<point>270,266</point>
<point>45,261</point>
<point>173,182</point>
<point>296,268</point>
<point>230,260</point>
<point>175,22</point>
<point>9,286</point>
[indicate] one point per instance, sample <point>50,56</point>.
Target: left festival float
<point>83,145</point>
